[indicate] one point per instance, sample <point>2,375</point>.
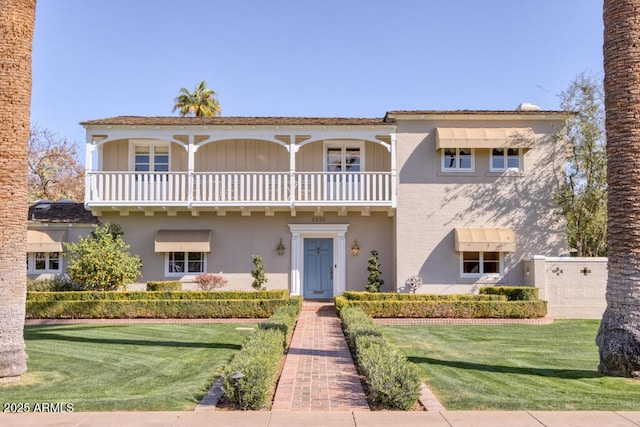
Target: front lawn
<point>515,367</point>
<point>133,367</point>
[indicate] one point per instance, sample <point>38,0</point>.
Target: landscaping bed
<point>160,305</point>
<point>500,302</point>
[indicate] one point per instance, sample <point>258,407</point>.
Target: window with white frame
<point>458,160</point>
<point>477,264</point>
<point>179,263</point>
<point>344,157</point>
<point>151,158</point>
<point>44,262</point>
<point>503,159</point>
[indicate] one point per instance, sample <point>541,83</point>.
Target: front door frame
<point>334,231</point>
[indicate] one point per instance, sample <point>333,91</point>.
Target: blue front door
<point>318,268</point>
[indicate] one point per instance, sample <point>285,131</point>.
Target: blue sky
<point>352,58</point>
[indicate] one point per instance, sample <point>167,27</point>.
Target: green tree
<point>375,275</point>
<point>102,260</point>
<point>201,102</point>
<point>583,197</point>
<point>259,278</point>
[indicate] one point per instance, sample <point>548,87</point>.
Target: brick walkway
<point>319,374</point>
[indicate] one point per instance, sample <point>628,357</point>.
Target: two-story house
<point>458,198</point>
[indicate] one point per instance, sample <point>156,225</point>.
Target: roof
<point>61,213</point>
<point>233,121</point>
<point>494,112</point>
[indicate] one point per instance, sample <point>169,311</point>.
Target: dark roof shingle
<point>233,121</point>
<point>61,213</point>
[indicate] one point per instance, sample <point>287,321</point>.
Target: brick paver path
<point>319,374</point>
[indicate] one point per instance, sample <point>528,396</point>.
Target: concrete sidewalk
<point>333,419</point>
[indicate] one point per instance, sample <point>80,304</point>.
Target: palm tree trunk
<point>619,335</point>
<point>16,34</point>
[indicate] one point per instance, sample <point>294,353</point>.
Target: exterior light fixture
<point>280,248</point>
<point>355,249</point>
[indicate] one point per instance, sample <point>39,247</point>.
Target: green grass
<point>515,367</point>
<point>124,367</point>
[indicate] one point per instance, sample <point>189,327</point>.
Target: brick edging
<point>131,321</point>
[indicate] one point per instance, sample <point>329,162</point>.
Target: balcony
<point>239,189</point>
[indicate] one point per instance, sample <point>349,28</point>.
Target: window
<point>179,263</point>
<point>344,157</point>
<point>151,158</point>
<point>476,264</point>
<point>458,160</point>
<point>44,262</point>
<point>503,159</point>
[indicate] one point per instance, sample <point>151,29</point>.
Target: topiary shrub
<point>259,278</point>
<point>375,275</point>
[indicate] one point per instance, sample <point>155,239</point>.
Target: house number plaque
<point>316,218</point>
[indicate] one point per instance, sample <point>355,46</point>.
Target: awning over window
<point>485,240</point>
<point>183,241</point>
<point>45,240</point>
<point>484,138</point>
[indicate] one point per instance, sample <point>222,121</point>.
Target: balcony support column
<point>394,172</point>
<point>293,149</point>
<point>88,168</point>
<point>191,150</point>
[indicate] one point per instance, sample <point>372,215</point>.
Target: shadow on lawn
<point>60,337</point>
<point>569,374</point>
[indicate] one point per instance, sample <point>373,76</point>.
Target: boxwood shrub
<point>259,359</point>
<point>513,293</point>
<point>155,295</point>
<point>157,309</point>
<point>448,309</point>
<point>394,296</point>
<point>168,285</point>
<point>391,382</point>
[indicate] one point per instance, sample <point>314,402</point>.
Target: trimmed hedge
<point>157,295</point>
<point>394,296</point>
<point>391,382</point>
<point>259,359</point>
<point>159,309</point>
<point>258,362</point>
<point>513,293</point>
<point>169,285</point>
<point>448,309</point>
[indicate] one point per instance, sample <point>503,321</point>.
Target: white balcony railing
<point>239,188</point>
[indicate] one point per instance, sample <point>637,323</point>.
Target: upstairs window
<point>458,160</point>
<point>151,158</point>
<point>503,159</point>
<point>344,157</point>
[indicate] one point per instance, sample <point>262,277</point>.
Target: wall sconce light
<point>355,249</point>
<point>280,248</point>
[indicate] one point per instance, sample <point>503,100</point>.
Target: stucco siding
<point>431,204</point>
<point>236,238</point>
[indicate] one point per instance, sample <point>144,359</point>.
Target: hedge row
<point>166,285</point>
<point>391,382</point>
<point>158,309</point>
<point>258,360</point>
<point>512,293</point>
<point>395,296</point>
<point>448,309</point>
<point>157,295</point>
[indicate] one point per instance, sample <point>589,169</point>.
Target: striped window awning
<point>485,240</point>
<point>183,241</point>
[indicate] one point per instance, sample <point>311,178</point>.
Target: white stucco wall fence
<point>574,287</point>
